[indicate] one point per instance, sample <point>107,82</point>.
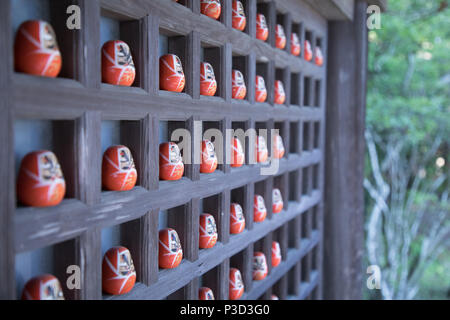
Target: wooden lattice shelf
<point>77,113</point>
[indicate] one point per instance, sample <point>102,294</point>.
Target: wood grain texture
<point>8,199</point>
<point>344,204</point>
<point>79,102</point>
<point>171,280</point>
<point>334,10</point>
<point>7,170</point>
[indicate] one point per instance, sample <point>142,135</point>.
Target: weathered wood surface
<point>83,102</point>
<point>344,197</point>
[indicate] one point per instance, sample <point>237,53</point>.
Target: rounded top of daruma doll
<point>118,169</point>
<point>171,75</point>
<point>118,272</point>
<point>40,182</point>
<point>43,287</point>
<point>36,49</point>
<point>117,63</point>
<point>211,8</point>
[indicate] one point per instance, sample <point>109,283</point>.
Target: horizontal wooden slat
<point>307,287</point>
<point>293,256</point>
<point>38,227</point>
<point>171,280</point>
<point>84,97</point>
<point>42,99</point>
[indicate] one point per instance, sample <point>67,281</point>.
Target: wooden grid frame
<point>82,101</point>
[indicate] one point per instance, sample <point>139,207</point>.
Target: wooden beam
<point>344,192</point>
<point>334,9</point>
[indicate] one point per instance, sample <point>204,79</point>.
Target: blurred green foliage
<point>408,99</point>
<point>409,71</point>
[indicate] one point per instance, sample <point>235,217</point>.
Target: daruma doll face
<point>237,220</point>
<point>43,287</point>
<point>171,165</point>
<point>118,170</point>
<point>237,154</point>
<point>171,75</point>
<point>260,89</point>
<point>211,8</point>
<point>308,51</point>
<point>117,64</point>
<point>170,252</point>
<point>208,83</point>
<point>295,44</point>
<point>260,269</point>
<point>236,288</point>
<point>36,51</point>
<point>205,293</point>
<point>40,182</point>
<point>208,231</point>
<point>261,149</point>
<point>280,95</point>
<point>239,20</point>
<point>278,147</point>
<point>262,32</point>
<point>319,57</point>
<point>118,273</point>
<point>280,37</point>
<point>276,254</point>
<point>259,209</point>
<point>209,158</point>
<point>277,201</point>
<point>239,89</point>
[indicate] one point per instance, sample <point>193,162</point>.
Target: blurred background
<point>407,136</point>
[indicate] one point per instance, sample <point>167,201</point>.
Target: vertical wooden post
<point>7,172</point>
<point>250,11</point>
<point>223,277</point>
<point>7,199</point>
<point>344,193</point>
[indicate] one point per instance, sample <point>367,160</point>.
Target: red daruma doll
<point>260,89</point>
<point>36,51</point>
<point>208,83</point>
<point>170,252</point>
<point>40,182</point>
<point>259,209</point>
<point>118,274</point>
<point>295,44</point>
<point>171,165</point>
<point>43,287</point>
<point>319,57</point>
<point>260,269</point>
<point>280,95</point>
<point>239,20</point>
<point>308,51</point>
<point>280,37</point>
<point>118,170</point>
<point>236,288</point>
<point>262,32</point>
<point>211,8</point>
<point>277,201</point>
<point>208,231</point>
<point>209,158</point>
<point>239,89</point>
<point>117,64</point>
<point>237,219</point>
<point>261,149</point>
<point>237,154</point>
<point>205,293</point>
<point>276,254</point>
<point>171,75</point>
<point>278,147</point>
